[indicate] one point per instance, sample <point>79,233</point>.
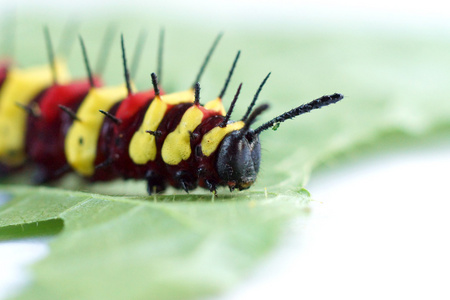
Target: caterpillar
<point>103,132</point>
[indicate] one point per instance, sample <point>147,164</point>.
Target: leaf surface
<point>116,247</point>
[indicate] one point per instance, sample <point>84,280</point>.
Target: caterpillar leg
<point>185,181</point>
<point>155,183</point>
<point>43,175</point>
<point>211,186</point>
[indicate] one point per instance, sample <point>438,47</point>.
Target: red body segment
<point>131,106</point>
<point>131,113</point>
<point>46,131</point>
<point>5,65</point>
<point>113,147</point>
<point>187,171</point>
<point>206,165</point>
<point>112,158</point>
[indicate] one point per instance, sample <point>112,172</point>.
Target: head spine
<point>51,55</point>
<point>230,110</point>
<point>86,62</point>
<point>125,67</point>
<point>230,73</point>
<point>302,109</point>
<point>251,119</point>
<point>208,56</point>
<point>252,104</point>
<point>197,94</point>
<point>155,84</point>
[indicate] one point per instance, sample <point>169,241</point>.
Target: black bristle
<point>111,117</point>
<point>184,185</point>
<point>29,110</point>
<point>227,81</point>
<point>252,104</point>
<point>208,56</point>
<point>105,163</point>
<point>211,187</point>
<point>315,104</point>
<point>230,110</point>
<point>125,68</point>
<point>156,133</point>
<point>249,121</point>
<point>155,84</point>
<point>86,62</point>
<point>193,135</point>
<point>51,55</point>
<point>69,112</point>
<point>197,94</point>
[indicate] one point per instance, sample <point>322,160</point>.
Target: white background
<point>361,242</point>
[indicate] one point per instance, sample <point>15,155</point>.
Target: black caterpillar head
<point>239,155</point>
<point>239,158</point>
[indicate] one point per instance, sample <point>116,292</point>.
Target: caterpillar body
<point>104,132</point>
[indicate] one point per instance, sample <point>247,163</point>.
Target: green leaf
<point>179,247</point>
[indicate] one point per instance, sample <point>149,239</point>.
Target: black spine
<point>86,63</point>
<point>230,110</point>
<point>155,84</point>
<point>156,133</point>
<point>258,110</point>
<point>197,94</point>
<point>69,112</point>
<point>29,110</point>
<point>227,81</point>
<point>125,68</point>
<point>252,104</point>
<point>208,56</point>
<point>112,117</point>
<point>51,55</point>
<point>315,104</point>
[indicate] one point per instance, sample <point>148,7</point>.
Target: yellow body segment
<point>216,105</point>
<point>21,87</point>
<point>180,97</point>
<point>142,147</point>
<point>82,137</point>
<point>214,137</point>
<point>177,145</point>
